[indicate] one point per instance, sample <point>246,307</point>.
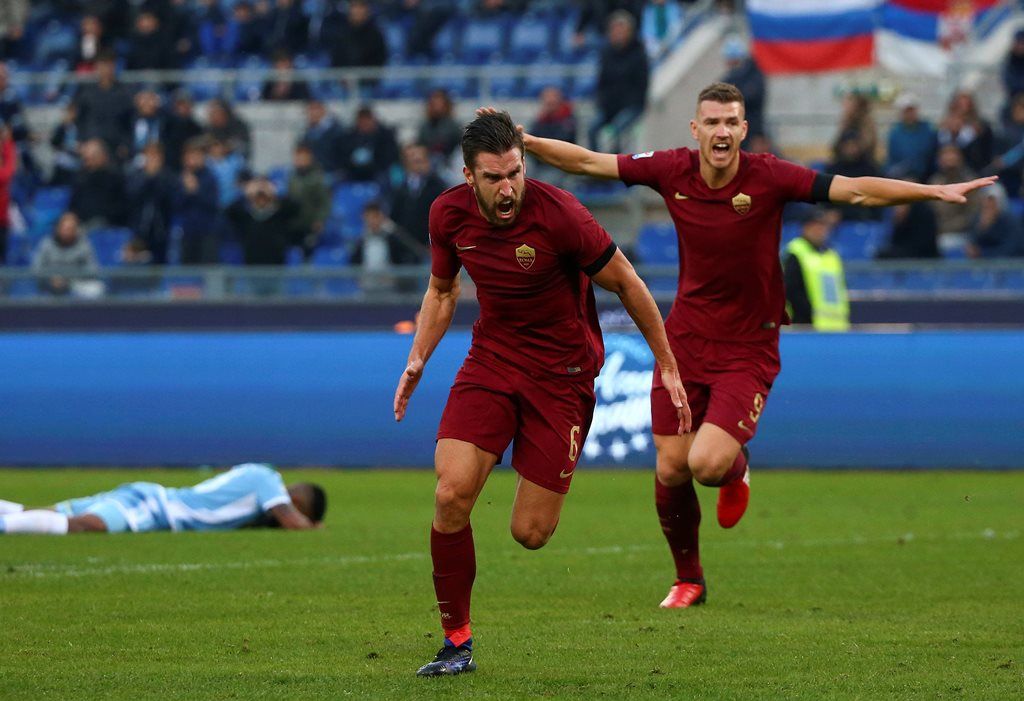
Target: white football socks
<point>39,521</point>
<point>10,507</point>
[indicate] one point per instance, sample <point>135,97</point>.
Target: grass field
<point>835,585</point>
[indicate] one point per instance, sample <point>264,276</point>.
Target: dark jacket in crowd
<point>66,161</point>
<point>594,14</point>
<point>351,46</point>
<point>915,233</point>
<point>295,90</point>
<point>326,140</point>
<point>151,208</point>
<point>197,211</point>
<point>99,195</point>
<point>105,114</point>
<point>177,132</point>
<point>410,204</point>
<point>1003,238</point>
<point>440,136</point>
<point>153,51</point>
<point>622,79</point>
<point>265,236</point>
<point>288,29</point>
<point>369,156</point>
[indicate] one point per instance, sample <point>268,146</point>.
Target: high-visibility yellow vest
<point>825,283</point>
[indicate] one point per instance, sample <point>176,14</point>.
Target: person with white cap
<point>911,142</point>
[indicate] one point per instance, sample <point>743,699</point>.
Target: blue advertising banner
<point>926,399</point>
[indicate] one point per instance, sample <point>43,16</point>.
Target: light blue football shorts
<point>137,507</point>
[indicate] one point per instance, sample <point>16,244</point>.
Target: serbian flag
<point>812,36</point>
<point>920,36</point>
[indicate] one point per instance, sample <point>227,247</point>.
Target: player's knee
<point>453,502</point>
<point>86,523</point>
<point>672,472</point>
<point>533,536</point>
<point>709,467</point>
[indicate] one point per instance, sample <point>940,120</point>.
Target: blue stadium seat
<point>484,40</point>
<point>348,202</point>
<point>542,75</point>
<point>530,38</point>
<point>21,289</point>
<point>231,253</point>
<point>916,280</point>
<point>583,86</point>
<point>249,87</point>
<point>396,84</point>
<point>109,244</point>
<point>968,280</point>
<point>278,175</point>
<point>294,257</point>
<point>330,257</point>
<point>657,243</point>
<point>446,41</point>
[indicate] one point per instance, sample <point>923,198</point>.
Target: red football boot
<point>685,594</point>
<point>734,497</point>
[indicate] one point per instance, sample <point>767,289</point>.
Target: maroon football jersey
<point>537,306</point>
<point>730,278</point>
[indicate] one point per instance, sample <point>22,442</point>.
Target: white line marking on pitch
<point>39,570</point>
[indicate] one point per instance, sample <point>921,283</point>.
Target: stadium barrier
<point>875,400</point>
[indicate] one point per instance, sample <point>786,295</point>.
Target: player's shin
<point>44,522</point>
<point>679,513</point>
<point>454,558</point>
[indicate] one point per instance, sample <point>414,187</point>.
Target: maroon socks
<point>679,513</point>
<point>454,571</point>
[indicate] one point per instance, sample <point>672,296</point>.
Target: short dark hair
<point>319,503</point>
<point>490,133</point>
<point>723,93</point>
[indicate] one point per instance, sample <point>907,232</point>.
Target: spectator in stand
<point>856,124</point>
<point>244,37</point>
<point>67,249</point>
<point>915,232</point>
<point>105,108</point>
<point>182,29</point>
<point>224,125</point>
<point>97,196</point>
<point>215,36</point>
<point>410,203</point>
<point>324,135</point>
<point>180,128</point>
<point>115,15</point>
<point>1013,69</point>
<point>1009,163</point>
<point>227,167</point>
<point>195,204</point>
<point>621,81</point>
<point>660,19</point>
<point>912,142</point>
<point>743,72</point>
<point>965,128</point>
<point>439,131</point>
<point>595,14</point>
<point>148,125</point>
<point>265,223</point>
<point>954,219</point>
<point>852,161</point>
<point>8,167</point>
<point>283,87</point>
<point>66,148</point>
<point>150,47</point>
<point>151,191</point>
<point>996,232</point>
<point>13,15</point>
<point>555,120</point>
<point>354,40</point>
<point>12,114</point>
<point>369,151</point>
<point>383,245</point>
<point>288,28</point>
<point>93,42</point>
<point>427,17</point>
<point>498,8</point>
<point>307,186</point>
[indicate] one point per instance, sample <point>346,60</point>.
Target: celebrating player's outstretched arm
<point>433,321</point>
<point>884,192</point>
<point>618,276</point>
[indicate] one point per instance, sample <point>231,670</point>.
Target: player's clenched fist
<point>406,386</point>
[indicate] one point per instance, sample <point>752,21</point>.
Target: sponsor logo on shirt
<point>526,256</point>
<point>741,203</point>
<point>645,154</point>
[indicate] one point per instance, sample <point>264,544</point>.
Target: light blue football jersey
<point>233,499</point>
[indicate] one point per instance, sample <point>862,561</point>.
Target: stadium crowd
<point>139,157</point>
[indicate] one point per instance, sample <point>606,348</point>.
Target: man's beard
<point>490,210</point>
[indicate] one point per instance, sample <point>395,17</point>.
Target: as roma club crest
<point>741,203</point>
<point>526,255</point>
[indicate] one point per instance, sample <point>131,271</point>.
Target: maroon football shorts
<point>726,382</point>
<point>547,418</point>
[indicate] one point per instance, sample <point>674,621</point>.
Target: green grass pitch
<point>835,586</point>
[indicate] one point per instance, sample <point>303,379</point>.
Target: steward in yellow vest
<point>813,273</point>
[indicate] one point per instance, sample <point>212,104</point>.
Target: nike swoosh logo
<point>563,474</point>
<point>681,197</point>
<point>463,248</point>
<point>744,427</point>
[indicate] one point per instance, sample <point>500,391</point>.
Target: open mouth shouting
<point>720,150</point>
<point>505,209</point>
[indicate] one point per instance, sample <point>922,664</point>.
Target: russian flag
<point>810,36</point>
<point>917,36</point>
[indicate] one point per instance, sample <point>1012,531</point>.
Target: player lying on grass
<point>248,495</point>
<point>532,250</point>
<point>726,205</point>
